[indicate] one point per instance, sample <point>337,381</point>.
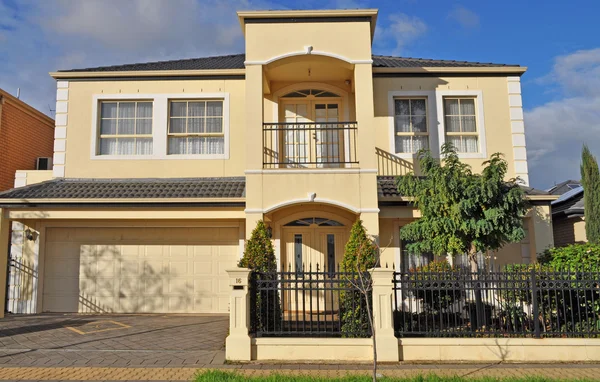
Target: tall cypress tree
<point>590,178</point>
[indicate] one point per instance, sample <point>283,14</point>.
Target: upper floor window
<point>196,127</point>
<point>461,124</point>
<point>410,125</point>
<point>125,128</point>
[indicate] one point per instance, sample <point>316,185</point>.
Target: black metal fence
<point>519,301</point>
<point>309,144</point>
<point>308,303</point>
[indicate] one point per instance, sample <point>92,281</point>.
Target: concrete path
<point>554,371</point>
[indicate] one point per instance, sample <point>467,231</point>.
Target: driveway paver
<point>53,340</point>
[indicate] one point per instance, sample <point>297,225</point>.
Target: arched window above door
<point>321,222</point>
<point>310,92</point>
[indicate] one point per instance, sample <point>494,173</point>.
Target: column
<point>383,316</point>
<point>542,237</point>
<point>238,346</point>
<point>4,242</point>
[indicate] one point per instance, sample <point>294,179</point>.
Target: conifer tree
<point>590,178</point>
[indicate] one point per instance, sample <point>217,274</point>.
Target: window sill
<point>161,157</point>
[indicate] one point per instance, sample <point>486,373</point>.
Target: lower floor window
<point>412,261</point>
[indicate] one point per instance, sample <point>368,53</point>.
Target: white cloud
<point>557,130</point>
<point>465,17</point>
<point>400,31</point>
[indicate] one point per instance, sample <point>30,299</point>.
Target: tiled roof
<point>236,61</point>
<point>570,203</point>
<point>564,187</point>
<point>386,188</point>
<point>130,189</point>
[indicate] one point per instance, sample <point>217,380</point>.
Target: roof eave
<point>519,70</point>
<point>148,73</point>
<point>24,201</point>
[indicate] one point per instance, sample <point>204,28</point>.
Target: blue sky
<point>558,41</point>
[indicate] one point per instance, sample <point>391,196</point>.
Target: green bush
<point>259,256</point>
<point>360,255</point>
<point>575,256</point>
<point>444,276</point>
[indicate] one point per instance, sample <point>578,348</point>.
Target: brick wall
<point>25,134</point>
<point>568,231</point>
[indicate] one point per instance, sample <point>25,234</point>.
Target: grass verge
<point>227,376</point>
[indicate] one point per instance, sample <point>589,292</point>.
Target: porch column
<point>541,234</point>
<point>4,248</point>
<point>238,346</point>
<point>383,318</point>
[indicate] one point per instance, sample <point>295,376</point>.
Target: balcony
<point>310,145</point>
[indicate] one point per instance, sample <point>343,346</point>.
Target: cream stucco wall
<point>496,116</point>
<point>78,161</point>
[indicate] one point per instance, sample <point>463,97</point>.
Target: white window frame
<point>479,119</point>
<point>122,136</point>
<point>431,118</point>
<point>160,122</point>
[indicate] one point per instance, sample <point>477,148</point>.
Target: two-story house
<point>162,169</point>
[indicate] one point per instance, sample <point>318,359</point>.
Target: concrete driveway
<point>118,340</point>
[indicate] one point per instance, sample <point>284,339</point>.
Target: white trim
<point>305,53</point>
<point>160,116</point>
<point>478,94</point>
<point>431,118</point>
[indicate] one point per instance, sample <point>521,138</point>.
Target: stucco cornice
<point>518,70</point>
<point>150,73</point>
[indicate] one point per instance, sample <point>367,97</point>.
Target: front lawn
<point>219,376</point>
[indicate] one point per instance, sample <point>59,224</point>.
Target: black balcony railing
<point>309,145</point>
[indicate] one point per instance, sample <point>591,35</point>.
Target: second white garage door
<point>138,270</point>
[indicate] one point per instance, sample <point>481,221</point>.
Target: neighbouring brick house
<point>25,135</point>
<point>568,217</point>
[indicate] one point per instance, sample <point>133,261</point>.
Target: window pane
<point>419,124</point>
<point>468,124</point>
<point>108,127</point>
<point>471,144</point>
<point>178,109</point>
<point>417,107</point>
<point>194,145</point>
<point>402,124</point>
<point>196,109</point>
<point>126,146</point>
<point>143,126</point>
<point>402,107</point>
<point>214,108</point>
<point>177,125</point>
<point>456,142</point>
<point>215,145</point>
<point>403,144</point>
<point>453,124</point>
<point>109,110</point>
<point>420,142</point>
<point>143,146</point>
<point>177,145</point>
<point>195,125</point>
<point>127,110</point>
<point>126,126</point>
<point>467,106</point>
<point>108,146</point>
<point>214,125</point>
<point>451,106</point>
<point>144,110</point>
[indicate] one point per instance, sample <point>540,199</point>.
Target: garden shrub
<point>360,255</point>
<point>575,257</point>
<point>259,256</point>
<point>441,274</point>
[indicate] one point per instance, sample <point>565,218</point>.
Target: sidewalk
<point>555,371</point>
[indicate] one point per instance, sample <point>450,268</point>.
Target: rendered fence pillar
<point>238,346</point>
<point>383,316</point>
<point>4,241</point>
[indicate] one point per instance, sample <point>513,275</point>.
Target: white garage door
<point>138,270</point>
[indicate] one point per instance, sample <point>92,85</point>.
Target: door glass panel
<point>327,136</point>
<point>331,253</point>
<point>298,252</point>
